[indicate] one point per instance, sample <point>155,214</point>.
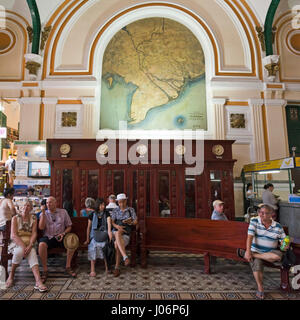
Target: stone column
<point>89,117</point>
<point>49,117</point>
<point>257,128</point>
<point>219,104</point>
<point>277,128</point>
<point>29,118</point>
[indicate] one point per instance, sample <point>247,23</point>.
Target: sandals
<point>127,262</point>
<point>93,274</point>
<point>70,272</point>
<point>41,288</point>
<point>44,276</point>
<point>241,253</point>
<point>260,295</point>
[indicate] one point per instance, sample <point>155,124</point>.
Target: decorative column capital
<point>30,100</point>
<point>275,102</point>
<point>88,100</point>
<point>219,101</point>
<point>255,102</point>
<point>49,100</point>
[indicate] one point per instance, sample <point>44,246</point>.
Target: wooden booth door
<point>221,188</point>
<point>63,187</point>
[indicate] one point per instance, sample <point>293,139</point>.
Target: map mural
<point>153,77</point>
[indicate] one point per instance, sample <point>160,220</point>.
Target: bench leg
<point>285,282</point>
<point>133,256</point>
<point>206,263</point>
<point>74,260</point>
<point>143,257</point>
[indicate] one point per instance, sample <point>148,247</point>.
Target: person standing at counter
<point>269,199</point>
<point>7,208</point>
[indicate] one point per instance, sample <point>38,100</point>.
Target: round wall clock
<point>103,149</point>
<point>180,149</point>
<point>65,148</point>
<point>141,149</point>
<point>218,150</point>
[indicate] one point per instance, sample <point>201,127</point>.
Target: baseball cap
<point>216,202</point>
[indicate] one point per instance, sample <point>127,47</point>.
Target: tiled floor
<point>169,276</point>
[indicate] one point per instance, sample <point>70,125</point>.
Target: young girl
<point>95,249</point>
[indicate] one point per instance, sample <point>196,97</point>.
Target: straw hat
<point>71,241</point>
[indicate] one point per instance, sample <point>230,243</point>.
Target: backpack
<point>13,165</point>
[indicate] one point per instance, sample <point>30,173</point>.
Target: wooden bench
<point>208,237</point>
<point>79,226</point>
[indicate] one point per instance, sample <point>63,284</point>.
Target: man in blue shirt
<point>127,217</point>
<point>218,213</point>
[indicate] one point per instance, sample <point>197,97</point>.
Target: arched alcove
<point>198,31</point>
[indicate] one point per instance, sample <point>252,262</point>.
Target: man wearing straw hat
<point>56,223</point>
<point>122,218</point>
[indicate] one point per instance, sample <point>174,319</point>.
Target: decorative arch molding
<point>281,23</point>
<point>20,23</point>
<point>70,13</point>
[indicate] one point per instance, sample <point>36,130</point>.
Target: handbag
<point>126,226</point>
<point>289,258</point>
<point>109,253</point>
<point>101,234</point>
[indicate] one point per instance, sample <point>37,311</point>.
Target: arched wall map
<point>153,77</point>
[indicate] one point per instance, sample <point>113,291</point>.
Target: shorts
<point>125,237</point>
<point>258,264</point>
<point>18,254</point>
<point>52,243</point>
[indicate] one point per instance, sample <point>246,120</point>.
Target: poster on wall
<point>154,78</point>
<point>21,168</point>
<point>38,169</point>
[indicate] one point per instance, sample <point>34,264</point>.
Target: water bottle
<point>285,243</point>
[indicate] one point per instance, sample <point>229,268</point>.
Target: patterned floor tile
<point>169,276</point>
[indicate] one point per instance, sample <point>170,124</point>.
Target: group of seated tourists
<point>105,224</point>
<point>112,224</point>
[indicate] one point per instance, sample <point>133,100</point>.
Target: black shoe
<point>240,253</point>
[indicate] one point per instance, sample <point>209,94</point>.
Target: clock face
<point>180,149</point>
<point>65,148</point>
<point>218,150</point>
<point>103,148</point>
<point>141,149</point>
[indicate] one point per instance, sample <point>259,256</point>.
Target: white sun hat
<point>121,196</point>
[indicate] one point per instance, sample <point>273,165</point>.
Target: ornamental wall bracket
<point>272,66</point>
<point>45,35</point>
<point>272,69</point>
<point>33,67</point>
<point>30,33</point>
<point>261,37</point>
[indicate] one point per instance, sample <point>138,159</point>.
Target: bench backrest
<point>79,226</point>
<point>195,235</point>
